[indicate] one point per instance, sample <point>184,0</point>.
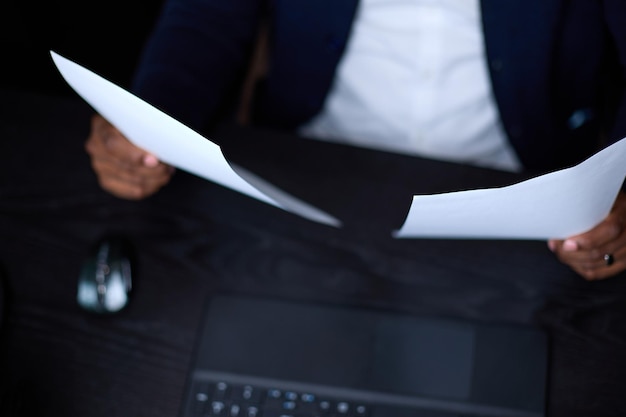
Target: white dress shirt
<point>414,80</point>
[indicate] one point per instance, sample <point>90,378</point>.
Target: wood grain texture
<point>195,238</point>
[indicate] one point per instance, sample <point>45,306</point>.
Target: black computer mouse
<point>105,282</point>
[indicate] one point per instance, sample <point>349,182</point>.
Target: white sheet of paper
<point>555,205</point>
<point>171,141</point>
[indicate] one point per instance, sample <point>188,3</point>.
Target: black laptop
<point>270,358</point>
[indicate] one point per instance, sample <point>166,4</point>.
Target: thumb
<point>150,160</point>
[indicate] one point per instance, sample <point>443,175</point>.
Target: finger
<point>585,253</point>
<point>596,262</point>
<point>611,228</point>
<point>608,231</point>
<point>580,256</point>
<point>140,177</point>
<point>106,139</point>
<point>121,148</point>
<point>133,190</point>
<point>129,172</point>
<point>122,189</point>
<point>127,185</point>
<point>150,165</point>
<point>591,246</point>
<point>600,267</point>
<point>600,272</point>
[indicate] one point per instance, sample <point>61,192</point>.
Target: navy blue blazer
<point>557,67</point>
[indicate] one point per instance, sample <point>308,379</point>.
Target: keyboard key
<point>325,405</point>
<point>200,403</point>
<point>307,398</point>
<point>343,407</point>
<point>218,408</point>
<point>289,405</point>
<point>252,412</point>
<point>221,391</point>
<point>274,413</point>
<point>202,397</point>
<point>361,411</point>
<point>247,394</point>
<point>223,399</point>
<point>291,396</point>
<point>235,410</point>
<point>274,393</point>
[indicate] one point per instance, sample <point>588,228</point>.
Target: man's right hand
<point>123,169</point>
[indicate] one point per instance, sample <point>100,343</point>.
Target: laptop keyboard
<point>231,400</point>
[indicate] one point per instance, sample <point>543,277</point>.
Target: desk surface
<point>195,238</point>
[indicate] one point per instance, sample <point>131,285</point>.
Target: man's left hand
<point>600,252</point>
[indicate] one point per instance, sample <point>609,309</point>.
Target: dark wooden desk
<point>194,238</point>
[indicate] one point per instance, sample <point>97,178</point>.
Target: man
<point>513,85</point>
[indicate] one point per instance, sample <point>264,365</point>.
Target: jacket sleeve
<point>193,62</point>
<point>615,13</point>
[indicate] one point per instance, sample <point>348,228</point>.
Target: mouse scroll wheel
<point>102,270</point>
<point>102,267</point>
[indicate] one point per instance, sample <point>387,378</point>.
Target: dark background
<point>56,360</point>
<point>105,37</point>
